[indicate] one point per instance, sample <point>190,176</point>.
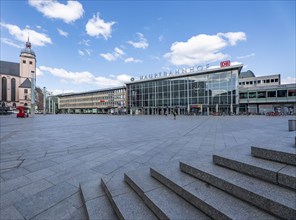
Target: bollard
<point>292,125</point>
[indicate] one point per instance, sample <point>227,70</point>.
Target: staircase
<point>254,183</point>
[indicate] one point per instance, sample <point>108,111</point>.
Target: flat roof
<point>267,87</point>
<point>202,72</point>
<point>92,91</point>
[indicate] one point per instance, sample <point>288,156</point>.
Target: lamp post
<point>33,94</point>
<point>44,100</point>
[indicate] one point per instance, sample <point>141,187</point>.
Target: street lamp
<point>44,100</point>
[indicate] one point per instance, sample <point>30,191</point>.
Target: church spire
<point>28,44</point>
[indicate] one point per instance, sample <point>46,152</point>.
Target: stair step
<point>272,198</point>
<point>125,202</point>
<point>214,202</point>
<point>95,201</point>
<point>163,202</point>
<point>282,154</point>
<point>259,168</point>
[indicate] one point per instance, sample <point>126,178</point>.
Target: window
<point>243,95</point>
<point>272,80</point>
<point>26,91</point>
<point>251,82</point>
<point>267,81</point>
<point>13,90</point>
<point>30,62</point>
<point>259,81</point>
<point>291,92</point>
<point>276,80</point>
<point>262,94</point>
<point>24,61</point>
<point>252,95</point>
<point>271,94</point>
<point>282,93</point>
<point>4,89</point>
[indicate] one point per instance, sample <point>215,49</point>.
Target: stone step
<point>274,172</point>
<point>125,202</point>
<point>162,201</point>
<point>284,155</point>
<point>277,200</point>
<point>95,201</point>
<point>214,202</point>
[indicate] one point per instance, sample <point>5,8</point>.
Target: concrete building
<point>265,94</point>
<point>18,79</point>
<point>102,101</point>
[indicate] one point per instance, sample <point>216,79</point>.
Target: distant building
<point>265,94</point>
<point>16,79</point>
<point>104,101</point>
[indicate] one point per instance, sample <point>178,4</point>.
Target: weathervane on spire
<point>28,44</point>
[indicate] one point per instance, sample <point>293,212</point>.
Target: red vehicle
<point>22,112</point>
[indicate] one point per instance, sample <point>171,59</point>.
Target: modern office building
<point>264,94</point>
<point>18,79</point>
<point>102,101</point>
<point>188,91</point>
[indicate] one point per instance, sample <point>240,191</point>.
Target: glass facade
<point>206,93</point>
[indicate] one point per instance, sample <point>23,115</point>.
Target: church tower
<point>27,76</point>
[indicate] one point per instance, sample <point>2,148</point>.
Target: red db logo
<point>225,63</point>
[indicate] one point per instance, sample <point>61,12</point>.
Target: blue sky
<point>89,45</point>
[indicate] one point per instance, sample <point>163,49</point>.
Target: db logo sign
<point>225,63</point>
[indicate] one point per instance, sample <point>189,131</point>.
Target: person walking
<point>175,115</point>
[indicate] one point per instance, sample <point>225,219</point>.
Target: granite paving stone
<point>10,213</point>
<point>67,149</point>
<point>14,173</point>
<point>40,174</point>
<point>62,210</point>
<point>38,203</point>
<point>10,198</point>
<point>13,184</point>
<point>34,187</point>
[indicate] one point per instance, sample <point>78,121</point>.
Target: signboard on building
<point>225,63</point>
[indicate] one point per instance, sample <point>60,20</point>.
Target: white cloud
<point>160,38</point>
<point>132,60</point>
<point>117,53</point>
<point>97,27</point>
<point>81,53</point>
<point>86,77</point>
<point>39,72</point>
<point>11,43</point>
<point>37,39</point>
<point>85,42</point>
<point>69,12</point>
<point>141,43</point>
<point>59,91</point>
<point>288,80</point>
<point>88,51</point>
<point>63,33</point>
<point>233,37</point>
<point>246,56</point>
<point>202,48</point>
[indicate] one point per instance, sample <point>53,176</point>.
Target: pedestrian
<point>174,115</point>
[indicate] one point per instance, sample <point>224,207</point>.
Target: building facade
<point>204,91</point>
<point>265,94</point>
<point>18,79</point>
<point>103,101</point>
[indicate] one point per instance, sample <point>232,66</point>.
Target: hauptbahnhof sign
<point>176,72</point>
<point>181,71</point>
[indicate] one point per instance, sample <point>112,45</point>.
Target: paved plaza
<point>43,159</point>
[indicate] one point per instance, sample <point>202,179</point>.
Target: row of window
<point>30,62</point>
<point>267,94</point>
<point>104,104</point>
<point>254,82</point>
